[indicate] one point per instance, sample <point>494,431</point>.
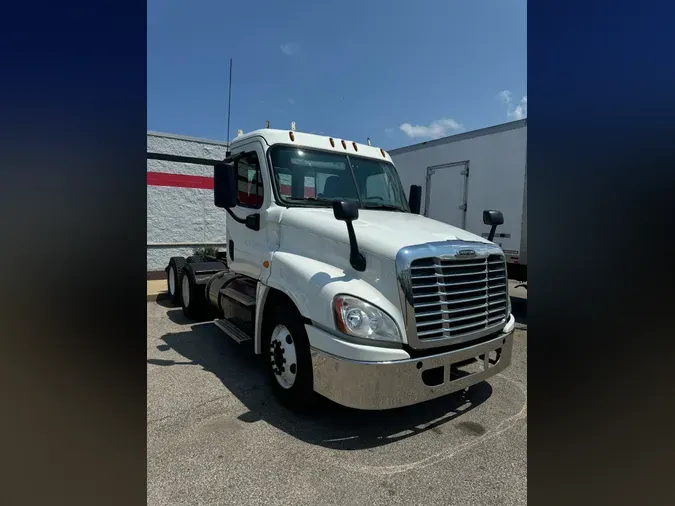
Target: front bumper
<point>393,384</point>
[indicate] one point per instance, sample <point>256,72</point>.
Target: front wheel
<point>289,362</point>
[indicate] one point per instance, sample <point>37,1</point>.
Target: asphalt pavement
<point>216,435</point>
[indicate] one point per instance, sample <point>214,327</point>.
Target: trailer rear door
<point>446,193</point>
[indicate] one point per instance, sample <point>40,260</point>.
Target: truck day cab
<point>345,290</point>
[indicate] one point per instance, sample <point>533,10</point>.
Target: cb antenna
<point>229,103</point>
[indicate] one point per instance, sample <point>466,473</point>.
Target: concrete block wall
<point>181,214</point>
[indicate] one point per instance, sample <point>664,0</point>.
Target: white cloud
<point>505,96</point>
<point>519,111</point>
<point>435,130</point>
<point>289,48</point>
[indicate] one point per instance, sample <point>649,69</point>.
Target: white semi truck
<point>464,174</point>
<point>338,281</point>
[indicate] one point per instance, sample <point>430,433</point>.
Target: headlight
<point>357,318</point>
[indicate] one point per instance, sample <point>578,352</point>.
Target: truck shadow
<point>330,425</point>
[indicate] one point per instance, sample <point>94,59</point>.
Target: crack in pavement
<point>187,410</point>
<point>502,427</point>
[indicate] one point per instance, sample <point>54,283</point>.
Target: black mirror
<point>345,211</point>
<point>415,199</point>
<point>492,218</point>
<point>225,185</point>
<point>348,212</point>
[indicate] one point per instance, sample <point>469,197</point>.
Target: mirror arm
<point>234,217</point>
<point>491,235</point>
<point>348,212</point>
<point>356,258</point>
<point>251,221</point>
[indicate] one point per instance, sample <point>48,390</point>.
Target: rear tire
<point>192,296</point>
<point>173,271</point>
<point>288,359</point>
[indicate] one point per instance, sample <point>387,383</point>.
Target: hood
<point>378,232</point>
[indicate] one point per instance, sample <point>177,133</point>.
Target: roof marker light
<point>290,134</point>
<point>332,142</point>
<point>383,153</point>
<point>355,147</point>
<point>344,144</point>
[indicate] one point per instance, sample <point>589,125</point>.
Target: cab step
<point>232,330</point>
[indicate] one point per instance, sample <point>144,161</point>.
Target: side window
<point>249,180</point>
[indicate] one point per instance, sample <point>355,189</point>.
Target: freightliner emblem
<point>466,253</point>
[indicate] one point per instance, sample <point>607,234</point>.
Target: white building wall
<point>182,214</point>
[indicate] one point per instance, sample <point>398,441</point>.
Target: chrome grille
<point>453,297</point>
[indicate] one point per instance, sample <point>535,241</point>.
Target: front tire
<point>289,362</point>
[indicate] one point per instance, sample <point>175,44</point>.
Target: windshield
<point>312,177</point>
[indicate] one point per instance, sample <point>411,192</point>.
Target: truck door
<point>446,193</point>
<point>247,249</point>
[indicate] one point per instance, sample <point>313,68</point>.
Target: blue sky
<point>397,72</point>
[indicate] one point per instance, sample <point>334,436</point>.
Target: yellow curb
<point>156,290</point>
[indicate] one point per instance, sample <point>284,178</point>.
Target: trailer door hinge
<point>465,172</point>
<point>463,207</point>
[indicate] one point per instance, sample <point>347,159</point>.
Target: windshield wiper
<point>389,207</point>
<point>311,200</point>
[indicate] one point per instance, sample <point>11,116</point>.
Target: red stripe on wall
<point>180,180</point>
<point>203,182</point>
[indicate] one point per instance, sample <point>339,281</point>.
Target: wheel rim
<point>185,291</point>
<point>283,357</point>
<point>172,281</point>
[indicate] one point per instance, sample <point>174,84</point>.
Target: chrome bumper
<point>385,385</point>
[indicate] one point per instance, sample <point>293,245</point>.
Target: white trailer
<point>464,174</point>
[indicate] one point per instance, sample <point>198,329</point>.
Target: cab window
<point>249,181</point>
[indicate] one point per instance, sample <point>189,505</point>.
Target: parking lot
<point>216,435</point>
